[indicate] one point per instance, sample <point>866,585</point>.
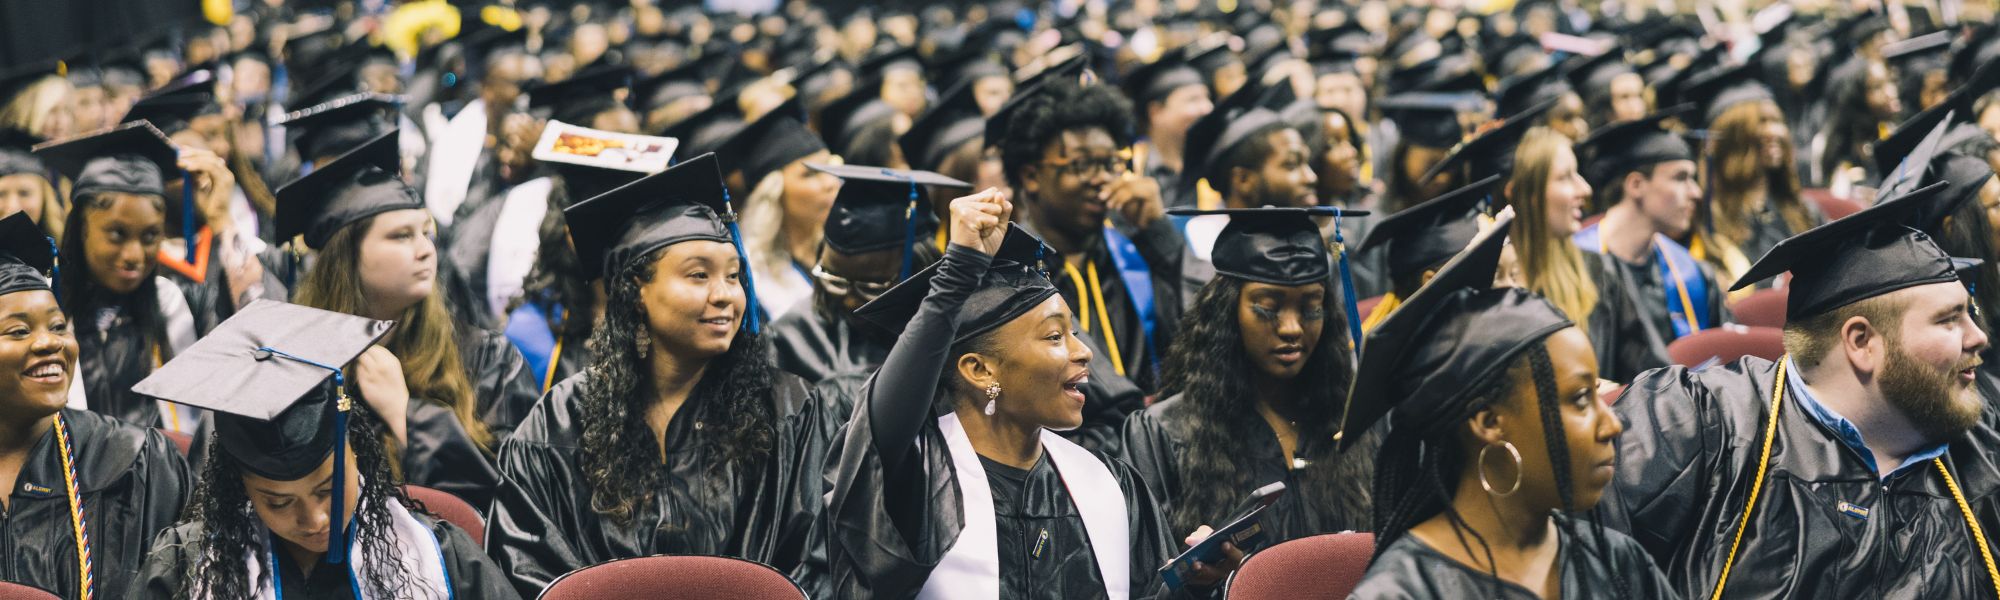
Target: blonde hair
<point>55,215</point>
<point>763,223</point>
<point>1738,139</point>
<point>1551,265</point>
<point>29,110</point>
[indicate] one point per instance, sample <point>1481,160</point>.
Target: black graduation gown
<point>884,532</point>
<point>133,483</point>
<point>1411,570</point>
<point>1688,457</point>
<point>472,574</point>
<point>815,347</point>
<point>1630,326</point>
<point>113,358</point>
<point>1768,227</point>
<point>541,524</point>
<point>1155,442</point>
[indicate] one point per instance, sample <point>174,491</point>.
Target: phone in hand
<point>1244,529</point>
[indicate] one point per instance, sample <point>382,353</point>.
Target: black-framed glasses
<point>1090,168</point>
<point>842,286</point>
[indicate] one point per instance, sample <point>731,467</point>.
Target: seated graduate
<point>1495,440</point>
<point>949,482</point>
<point>785,204</point>
<point>1257,385</point>
<point>1818,474</point>
<point>551,319</point>
<point>1252,158</point>
<point>84,492</point>
<point>1646,176</point>
<point>375,257</point>
<point>1416,242</point>
<point>879,231</point>
<point>296,498</point>
<point>680,438</point>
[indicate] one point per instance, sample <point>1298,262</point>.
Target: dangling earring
<point>1511,451</point>
<point>992,394</point>
<point>645,344</point>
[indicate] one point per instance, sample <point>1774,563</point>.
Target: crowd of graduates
<point>1001,299</point>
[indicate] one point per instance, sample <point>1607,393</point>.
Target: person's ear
<point>1863,344</point>
<point>1030,179</point>
<point>978,370</point>
<point>1634,186</point>
<point>1241,179</point>
<point>1485,427</point>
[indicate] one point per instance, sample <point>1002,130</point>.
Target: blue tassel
<point>187,214</point>
<point>1347,285</point>
<point>909,228</point>
<point>752,317</point>
<point>336,549</point>
<point>55,269</point>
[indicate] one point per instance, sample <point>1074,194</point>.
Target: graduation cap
<point>27,256</point>
<point>1430,119</point>
<point>1932,46</point>
<point>1430,233</point>
<point>1446,73</point>
<point>900,58</point>
<point>1974,52</point>
<point>1521,92</point>
<point>705,131</point>
<point>1715,92</point>
<point>17,156</point>
<point>583,96</point>
<point>272,375</point>
<point>1071,68</point>
<point>1153,82</point>
<point>1592,76</point>
<point>134,158</point>
<point>668,86</point>
<point>340,125</point>
<point>1278,246</point>
<point>16,78</point>
<point>1903,156</point>
<point>1959,103</point>
<point>342,80</point>
<point>1866,254</point>
<point>1215,134</point>
<point>1457,332</point>
<point>172,107</point>
<point>1509,54</point>
<point>768,144</point>
<point>943,129</point>
<point>841,120</point>
<point>683,203</point>
<point>1492,151</point>
<point>1621,148</point>
<point>881,209</point>
<point>1211,57</point>
<point>1015,283</point>
<point>362,183</point>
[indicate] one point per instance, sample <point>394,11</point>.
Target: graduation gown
<point>814,347</point>
<point>472,574</point>
<point>1155,441</point>
<point>541,524</point>
<point>1410,569</point>
<point>885,531</point>
<point>1768,227</point>
<point>1825,526</point>
<point>133,484</point>
<point>114,352</point>
<point>1621,329</point>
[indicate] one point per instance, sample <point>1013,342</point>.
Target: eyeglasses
<point>1090,168</point>
<point>842,286</point>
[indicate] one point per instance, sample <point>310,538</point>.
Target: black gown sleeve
<point>1668,458</point>
<point>532,503</point>
<point>506,389</point>
<point>1153,453</point>
<point>473,575</point>
<point>442,455</point>
<point>167,564</point>
<point>901,394</point>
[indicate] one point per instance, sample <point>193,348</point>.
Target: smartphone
<point>1244,529</point>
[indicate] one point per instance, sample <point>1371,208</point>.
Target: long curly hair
<point>1210,372</point>
<point>621,457</point>
<point>1417,468</point>
<point>230,528</point>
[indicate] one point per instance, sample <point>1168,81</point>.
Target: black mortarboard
<point>1430,119</point>
<point>843,119</point>
<point>943,129</point>
<point>17,155</point>
<point>1016,283</point>
<point>879,64</point>
<point>1864,255</point>
<point>1959,102</point>
<point>768,144</point>
<point>1508,55</point>
<point>1902,157</point>
<point>673,84</point>
<point>265,373</point>
<point>1278,246</point>
<point>341,79</point>
<point>1717,91</point>
<point>880,208</point>
<point>1591,77</point>
<point>171,107</point>
<point>1521,92</point>
<point>583,96</point>
<point>1426,235</point>
<point>1215,134</point>
<point>1439,346</point>
<point>16,78</point>
<point>1931,46</point>
<point>1153,82</point>
<point>134,158</point>
<point>705,131</point>
<point>1210,58</point>
<point>1071,68</point>
<point>26,255</point>
<point>1492,151</point>
<point>683,203</point>
<point>1620,148</point>
<point>1974,52</point>
<point>1445,73</point>
<point>341,125</point>
<point>362,183</point>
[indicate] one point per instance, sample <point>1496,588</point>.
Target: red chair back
<point>452,509</point>
<point>1835,207</point>
<point>1321,567</point>
<point>1762,308</point>
<point>180,440</point>
<point>676,577</point>
<point>1726,344</point>
<point>16,591</point>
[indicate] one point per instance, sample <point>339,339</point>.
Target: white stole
<point>455,147</point>
<point>417,548</point>
<point>517,240</point>
<point>971,568</point>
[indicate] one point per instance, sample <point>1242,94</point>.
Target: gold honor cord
<point>1764,462</point>
<point>1085,295</point>
<point>555,358</point>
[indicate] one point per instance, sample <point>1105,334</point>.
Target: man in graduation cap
<point>1856,466</point>
<point>466,139</point>
<point>1415,243</point>
<point>1253,159</point>
<point>1169,95</point>
<point>1646,176</point>
<point>84,494</point>
<point>327,517</point>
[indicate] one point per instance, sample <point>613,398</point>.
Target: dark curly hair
<point>230,527</point>
<point>1061,106</point>
<point>1213,377</point>
<point>621,457</point>
<point>1417,469</point>
<point>82,295</point>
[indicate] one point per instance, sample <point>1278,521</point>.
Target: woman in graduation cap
<point>1862,106</point>
<point>950,482</point>
<point>374,256</point>
<point>680,437</point>
<point>297,498</point>
<point>785,209</point>
<point>83,493</point>
<point>25,186</point>
<point>1754,199</point>
<point>1494,441</point>
<point>1548,191</point>
<point>1255,388</point>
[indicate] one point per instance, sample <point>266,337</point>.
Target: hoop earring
<point>992,395</point>
<point>1488,486</point>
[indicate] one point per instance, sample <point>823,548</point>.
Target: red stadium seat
<point>677,577</point>
<point>1835,207</point>
<point>181,440</point>
<point>1762,308</point>
<point>1726,344</point>
<point>451,509</point>
<point>1366,307</point>
<point>16,591</point>
<point>1312,568</point>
